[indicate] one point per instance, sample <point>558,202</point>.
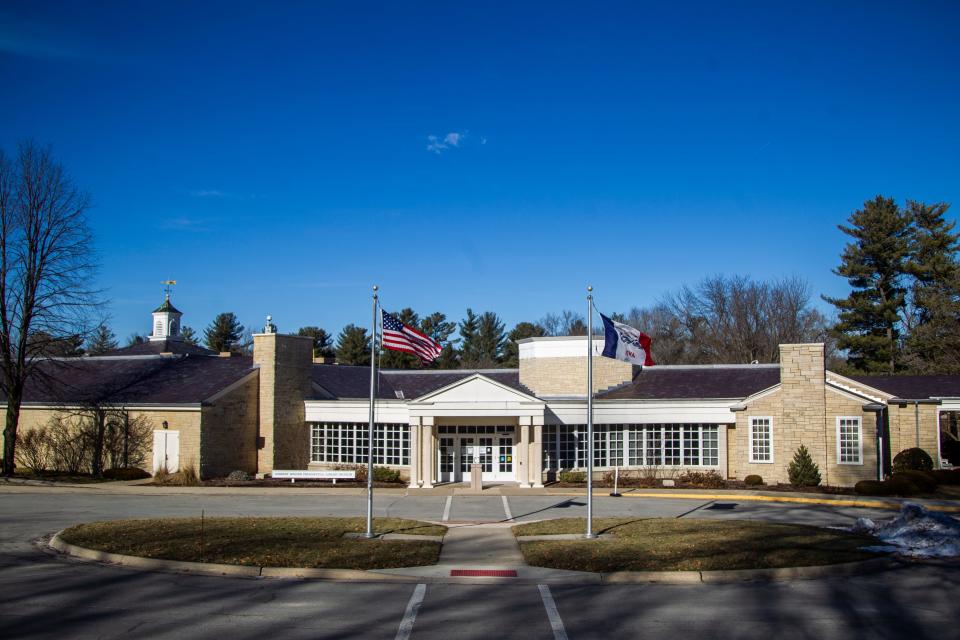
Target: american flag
<point>399,337</point>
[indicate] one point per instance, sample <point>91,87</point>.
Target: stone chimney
<point>803,385</point>
<point>284,362</point>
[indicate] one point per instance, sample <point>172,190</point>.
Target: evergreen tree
<point>390,359</point>
<point>437,327</point>
<point>353,346</point>
<point>803,471</point>
<point>469,340</point>
<point>511,357</point>
<point>933,344</point>
<point>189,335</point>
<point>322,341</point>
<point>874,264</point>
<point>224,333</point>
<point>135,339</point>
<point>102,341</point>
<point>491,340</point>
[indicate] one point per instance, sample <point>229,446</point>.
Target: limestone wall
<point>284,363</point>
<point>568,376</point>
<point>230,422</point>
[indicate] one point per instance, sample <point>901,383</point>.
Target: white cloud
<point>208,193</point>
<point>453,140</point>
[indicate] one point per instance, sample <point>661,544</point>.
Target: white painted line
<point>406,625</point>
<point>559,633</point>
<point>446,508</point>
<point>506,508</point>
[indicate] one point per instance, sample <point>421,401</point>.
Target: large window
<point>632,445</point>
<point>346,442</point>
<point>761,439</point>
<point>849,440</point>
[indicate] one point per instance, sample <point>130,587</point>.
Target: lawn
<point>269,542</point>
<point>688,545</point>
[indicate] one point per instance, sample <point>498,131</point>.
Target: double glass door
<point>493,452</point>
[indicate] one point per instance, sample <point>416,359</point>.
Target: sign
<point>303,474</point>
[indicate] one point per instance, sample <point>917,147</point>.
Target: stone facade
<point>568,376</point>
<point>284,363</point>
<point>230,427</point>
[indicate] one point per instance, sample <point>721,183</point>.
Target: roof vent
<point>398,393</point>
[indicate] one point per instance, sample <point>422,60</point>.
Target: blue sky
<point>283,159</point>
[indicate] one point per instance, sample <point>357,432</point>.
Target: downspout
<point>916,417</point>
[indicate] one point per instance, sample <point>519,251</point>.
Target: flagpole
<point>590,534</point>
<point>373,381</point>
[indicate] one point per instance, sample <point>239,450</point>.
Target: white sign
<point>295,475</point>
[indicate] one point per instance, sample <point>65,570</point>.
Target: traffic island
<point>300,543</point>
<point>694,545</point>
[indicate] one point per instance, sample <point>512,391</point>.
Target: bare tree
<point>46,264</point>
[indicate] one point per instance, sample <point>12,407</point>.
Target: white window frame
<point>750,439</point>
<point>859,441</point>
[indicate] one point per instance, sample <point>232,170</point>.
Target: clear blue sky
<point>277,157</point>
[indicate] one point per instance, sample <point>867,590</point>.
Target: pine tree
<point>491,340</point>
<point>803,471</point>
<point>390,359</point>
<point>437,327</point>
<point>322,341</point>
<point>874,264</point>
<point>933,344</point>
<point>189,335</point>
<point>224,333</point>
<point>469,340</point>
<point>102,341</point>
<point>353,346</point>
<point>511,353</point>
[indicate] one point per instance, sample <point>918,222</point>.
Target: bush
<point>33,450</point>
<point>705,479</point>
<point>803,471</point>
<point>385,474</point>
<point>925,481</point>
<point>871,488</point>
<point>125,473</point>
<point>239,476</point>
<point>901,485</point>
<point>573,477</point>
<point>915,459</point>
<point>753,480</point>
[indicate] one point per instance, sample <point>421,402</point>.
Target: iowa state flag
<point>623,342</point>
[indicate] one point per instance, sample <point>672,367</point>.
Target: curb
<point>355,575</point>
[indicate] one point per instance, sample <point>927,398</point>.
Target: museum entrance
<point>492,447</point>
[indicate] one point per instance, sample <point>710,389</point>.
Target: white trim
<point>751,457</point>
<point>859,420</point>
<point>857,387</point>
<point>521,396</point>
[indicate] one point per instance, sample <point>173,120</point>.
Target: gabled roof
<point>352,382</point>
<point>134,380</point>
<point>167,307</point>
<point>914,387</point>
<point>156,347</point>
<point>682,382</point>
<point>478,386</point>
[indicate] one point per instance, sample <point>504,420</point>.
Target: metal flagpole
<point>373,382</point>
<point>590,534</point>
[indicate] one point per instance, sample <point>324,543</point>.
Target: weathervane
<point>169,284</point>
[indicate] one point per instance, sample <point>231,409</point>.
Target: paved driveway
<point>44,596</point>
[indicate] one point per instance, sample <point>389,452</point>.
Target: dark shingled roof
<point>166,306</point>
<point>343,381</point>
<point>176,347</point>
<point>677,383</point>
<point>167,380</point>
<point>914,387</point>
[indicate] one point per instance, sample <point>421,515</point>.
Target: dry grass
<point>688,545</point>
<point>272,542</point>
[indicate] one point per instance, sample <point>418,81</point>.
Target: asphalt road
<point>47,596</point>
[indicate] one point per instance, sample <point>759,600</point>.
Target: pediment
<point>476,389</point>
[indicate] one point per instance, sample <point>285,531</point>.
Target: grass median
<point>661,544</point>
<point>265,542</point>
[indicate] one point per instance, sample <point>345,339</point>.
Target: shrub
<point>901,485</point>
<point>914,459</point>
<point>753,480</point>
<point>705,479</point>
<point>924,480</point>
<point>239,476</point>
<point>189,476</point>
<point>803,471</point>
<point>385,474</point>
<point>125,473</point>
<point>871,488</point>
<point>33,450</point>
<point>573,477</point>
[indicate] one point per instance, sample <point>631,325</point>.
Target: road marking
<point>406,625</point>
<point>506,508</point>
<point>446,508</point>
<point>559,633</point>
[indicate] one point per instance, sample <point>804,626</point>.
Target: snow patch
<point>915,532</point>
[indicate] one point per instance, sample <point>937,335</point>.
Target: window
<point>346,442</point>
<point>849,440</point>
<point>632,445</point>
<point>761,439</point>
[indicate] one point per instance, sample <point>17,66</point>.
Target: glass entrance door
<point>460,447</point>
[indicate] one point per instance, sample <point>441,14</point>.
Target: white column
<point>415,453</point>
<point>523,452</point>
<point>428,451</point>
<point>536,453</point>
